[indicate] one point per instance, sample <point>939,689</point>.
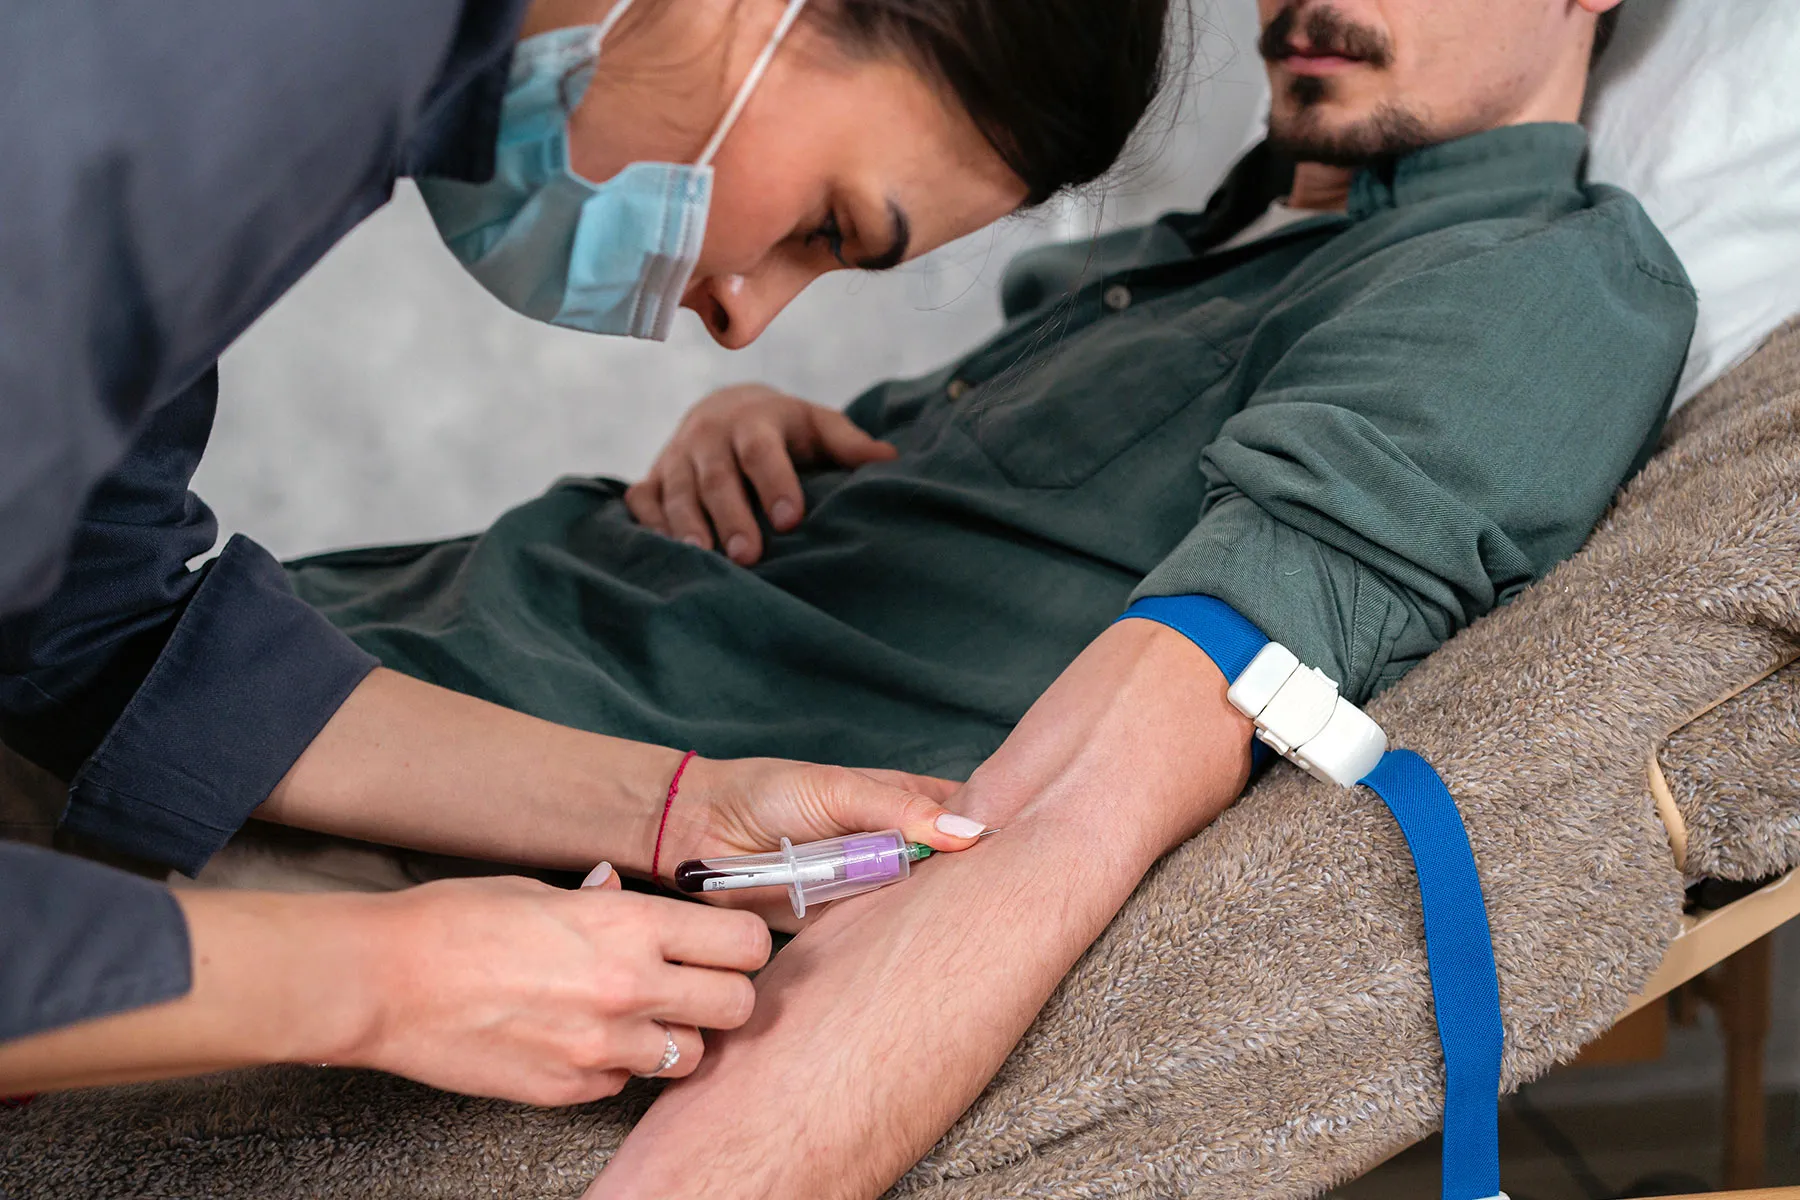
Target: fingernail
<point>598,876</point>
<point>694,541</point>
<point>783,512</point>
<point>738,546</point>
<point>961,827</point>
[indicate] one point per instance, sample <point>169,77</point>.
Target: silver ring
<point>671,1055</point>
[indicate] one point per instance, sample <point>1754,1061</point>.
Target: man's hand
<point>494,987</point>
<point>696,485</point>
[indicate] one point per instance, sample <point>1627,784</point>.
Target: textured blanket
<point>1257,1022</point>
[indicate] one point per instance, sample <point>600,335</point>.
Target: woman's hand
<point>749,432</point>
<point>495,987</point>
<point>508,987</point>
<point>746,806</point>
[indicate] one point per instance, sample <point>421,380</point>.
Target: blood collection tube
<point>813,873</point>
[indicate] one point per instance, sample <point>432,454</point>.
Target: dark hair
<point>1603,31</point>
<point>1055,86</point>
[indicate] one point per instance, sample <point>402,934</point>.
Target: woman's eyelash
<point>832,234</point>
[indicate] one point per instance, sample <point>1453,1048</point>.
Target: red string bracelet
<point>668,803</point>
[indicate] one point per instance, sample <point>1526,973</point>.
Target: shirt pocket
<point>1056,417</point>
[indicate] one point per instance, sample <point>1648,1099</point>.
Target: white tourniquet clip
<point>1299,713</point>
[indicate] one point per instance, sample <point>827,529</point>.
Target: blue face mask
<point>612,257</point>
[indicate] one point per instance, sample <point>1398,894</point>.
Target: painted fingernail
<point>694,541</point>
<point>783,513</point>
<point>598,876</point>
<point>961,827</point>
<point>738,546</point>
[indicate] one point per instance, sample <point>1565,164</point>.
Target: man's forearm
<point>407,763</point>
<point>883,1021</point>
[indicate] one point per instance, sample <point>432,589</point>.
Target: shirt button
<point>1117,297</point>
<point>958,389</point>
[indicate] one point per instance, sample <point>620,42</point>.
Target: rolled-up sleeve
<point>174,697</point>
<point>79,940</point>
<point>1428,450</point>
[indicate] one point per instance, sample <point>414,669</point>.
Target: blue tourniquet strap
<point>1459,949</point>
<point>1459,953</point>
<point>1228,638</point>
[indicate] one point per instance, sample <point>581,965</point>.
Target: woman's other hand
<point>499,987</point>
<point>746,806</point>
<point>748,432</point>
<point>509,987</point>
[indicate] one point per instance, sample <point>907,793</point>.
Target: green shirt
<point>1363,432</point>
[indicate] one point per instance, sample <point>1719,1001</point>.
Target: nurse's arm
<point>408,763</point>
<point>493,987</point>
<point>885,1019</point>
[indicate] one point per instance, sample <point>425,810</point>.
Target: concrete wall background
<point>387,398</point>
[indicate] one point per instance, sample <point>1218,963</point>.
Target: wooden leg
<point>1740,992</point>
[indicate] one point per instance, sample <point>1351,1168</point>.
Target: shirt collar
<point>459,121</point>
<point>1537,156</point>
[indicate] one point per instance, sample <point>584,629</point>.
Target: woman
<point>593,163</point>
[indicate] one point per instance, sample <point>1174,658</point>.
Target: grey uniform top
<point>1362,432</point>
<point>169,171</point>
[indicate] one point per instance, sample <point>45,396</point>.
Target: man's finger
<point>763,455</point>
<point>681,505</point>
<point>712,937</point>
<point>644,501</point>
<point>846,443</point>
<point>722,495</point>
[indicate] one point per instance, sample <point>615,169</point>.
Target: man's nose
<point>737,308</point>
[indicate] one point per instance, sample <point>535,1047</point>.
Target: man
<point>1363,416</point>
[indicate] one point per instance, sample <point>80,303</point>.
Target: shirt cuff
<point>1321,603</point>
<point>249,677</point>
<point>82,941</point>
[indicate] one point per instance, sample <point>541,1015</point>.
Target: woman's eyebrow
<point>895,253</point>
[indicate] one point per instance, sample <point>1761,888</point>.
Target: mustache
<point>1327,32</point>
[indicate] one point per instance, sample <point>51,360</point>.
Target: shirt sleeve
<point>169,172</point>
<point>80,940</point>
<point>1427,451</point>
<point>174,697</point>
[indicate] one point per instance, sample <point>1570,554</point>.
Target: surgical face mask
<point>612,257</point>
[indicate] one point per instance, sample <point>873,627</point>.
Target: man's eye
<point>831,235</point>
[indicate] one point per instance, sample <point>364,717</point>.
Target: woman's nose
<point>737,308</point>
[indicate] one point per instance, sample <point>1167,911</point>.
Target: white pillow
<point>1695,110</point>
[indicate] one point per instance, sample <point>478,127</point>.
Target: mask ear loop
<point>757,70</point>
<point>609,20</point>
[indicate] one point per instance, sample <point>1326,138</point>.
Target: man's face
<point>1358,80</point>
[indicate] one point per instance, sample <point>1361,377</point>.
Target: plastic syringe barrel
<point>814,873</point>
